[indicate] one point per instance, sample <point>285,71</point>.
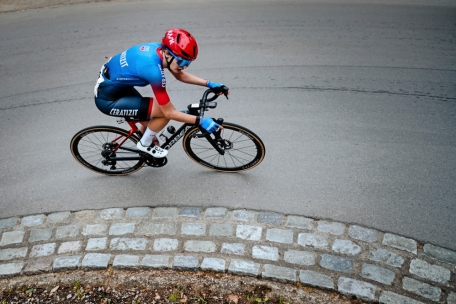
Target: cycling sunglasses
<point>181,61</point>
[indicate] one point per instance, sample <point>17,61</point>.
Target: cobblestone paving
<point>353,260</point>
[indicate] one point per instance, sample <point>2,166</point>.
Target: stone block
<point>95,229</point>
<point>331,227</point>
<point>346,247</point>
<point>42,250</point>
<point>66,263</point>
<point>165,212</point>
<point>193,229</point>
<point>112,214</point>
<point>37,235</point>
<point>387,257</point>
<point>265,253</point>
<point>13,253</point>
<point>233,248</point>
<point>155,261</point>
<point>74,246</point>
<point>242,267</point>
<point>377,273</point>
<point>451,298</point>
<point>314,240</point>
<point>221,230</point>
<point>279,236</point>
<point>59,218</point>
<point>128,244</point>
<point>33,220</point>
<point>270,218</point>
<point>388,297</point>
<point>121,228</point>
<point>199,246</point>
<point>185,263</point>
<point>213,264</point>
<point>221,213</point>
<point>243,216</point>
<point>12,237</point>
<point>138,212</point>
<point>157,228</point>
<point>165,244</point>
<point>300,257</point>
<point>64,232</point>
<point>11,269</point>
<point>363,234</point>
<point>336,263</point>
<point>317,279</point>
<point>190,212</point>
<point>97,243</point>
<point>441,254</point>
<point>299,222</point>
<point>39,265</point>
<point>282,274</point>
<point>351,287</point>
<point>400,242</point>
<point>430,272</point>
<point>96,261</point>
<point>126,261</point>
<point>422,289</point>
<point>9,222</point>
<point>247,232</point>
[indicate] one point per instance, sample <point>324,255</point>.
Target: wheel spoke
<point>241,152</point>
<point>90,148</point>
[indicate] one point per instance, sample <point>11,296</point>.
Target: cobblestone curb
<point>353,260</point>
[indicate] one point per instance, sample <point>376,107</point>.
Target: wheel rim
<point>243,150</point>
<point>91,147</point>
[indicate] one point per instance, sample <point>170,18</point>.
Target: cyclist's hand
<point>218,88</point>
<point>213,85</point>
<point>208,124</point>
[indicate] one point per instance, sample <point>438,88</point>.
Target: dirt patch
<point>158,286</point>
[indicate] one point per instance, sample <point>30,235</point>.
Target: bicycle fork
<point>218,143</point>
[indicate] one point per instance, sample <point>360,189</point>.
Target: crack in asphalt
<point>307,88</point>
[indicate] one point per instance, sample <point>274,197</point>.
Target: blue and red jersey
<point>140,66</point>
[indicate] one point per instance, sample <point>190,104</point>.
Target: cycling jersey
<point>140,65</point>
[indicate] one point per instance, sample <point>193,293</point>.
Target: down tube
<point>176,136</point>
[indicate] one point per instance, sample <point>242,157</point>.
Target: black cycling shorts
<point>118,101</point>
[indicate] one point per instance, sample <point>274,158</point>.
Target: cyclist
<point>142,65</point>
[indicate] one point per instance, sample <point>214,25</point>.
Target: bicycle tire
<point>245,149</point>
<point>88,145</point>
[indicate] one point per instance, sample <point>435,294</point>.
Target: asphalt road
<point>354,100</point>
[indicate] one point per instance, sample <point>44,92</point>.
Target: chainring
<point>156,162</point>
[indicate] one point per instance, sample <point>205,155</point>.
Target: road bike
<point>112,151</point>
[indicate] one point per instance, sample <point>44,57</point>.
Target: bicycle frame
<point>217,143</point>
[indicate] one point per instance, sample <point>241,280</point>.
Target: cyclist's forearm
<point>190,78</point>
<point>170,112</point>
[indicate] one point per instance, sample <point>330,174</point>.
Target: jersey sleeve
<point>156,77</point>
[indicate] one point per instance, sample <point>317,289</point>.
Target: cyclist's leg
<point>159,120</point>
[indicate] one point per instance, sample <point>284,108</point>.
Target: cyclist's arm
<point>189,78</point>
<point>170,112</point>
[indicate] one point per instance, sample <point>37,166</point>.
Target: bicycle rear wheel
<point>244,150</point>
<point>92,147</point>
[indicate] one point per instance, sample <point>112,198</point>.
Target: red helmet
<point>181,43</point>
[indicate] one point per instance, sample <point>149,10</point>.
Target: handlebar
<point>216,91</point>
<point>207,102</point>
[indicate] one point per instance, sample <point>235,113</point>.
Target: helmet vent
<point>178,38</point>
<point>185,54</point>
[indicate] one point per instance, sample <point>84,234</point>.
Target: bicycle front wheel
<point>93,148</point>
<point>244,150</point>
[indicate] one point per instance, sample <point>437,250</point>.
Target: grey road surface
<point>354,100</point>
